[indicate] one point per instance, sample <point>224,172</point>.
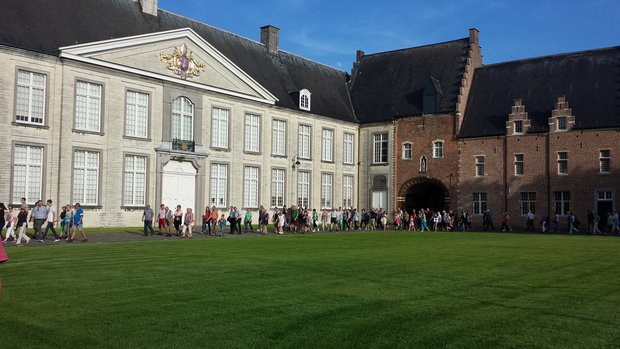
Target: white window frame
<point>380,148</point>
<point>604,161</point>
<point>303,188</point>
<point>305,100</point>
<point>304,142</point>
<point>561,200</point>
<point>26,93</point>
<point>31,187</point>
<point>135,180</point>
<point>564,120</point>
<point>88,106</point>
<point>278,138</point>
<point>90,169</point>
<point>349,146</point>
<point>252,133</point>
<point>327,149</point>
<point>219,127</point>
<point>519,163</point>
<point>438,149</point>
<point>562,163</point>
<point>327,190</point>
<point>137,114</point>
<point>517,127</point>
<point>407,151</point>
<point>278,187</point>
<point>218,193</point>
<point>479,162</point>
<point>184,116</point>
<point>528,202</point>
<point>479,203</point>
<point>251,178</point>
<point>347,191</point>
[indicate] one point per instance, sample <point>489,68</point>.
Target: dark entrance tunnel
<point>425,195</point>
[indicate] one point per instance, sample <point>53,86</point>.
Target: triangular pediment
<point>180,56</point>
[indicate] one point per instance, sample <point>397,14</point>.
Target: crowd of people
<point>16,218</point>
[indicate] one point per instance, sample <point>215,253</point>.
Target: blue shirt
<point>78,215</point>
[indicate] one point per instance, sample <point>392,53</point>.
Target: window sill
<point>379,164</point>
<point>132,208</point>
<point>327,161</point>
<point>43,127</point>
<point>604,173</point>
<point>86,132</point>
<point>134,138</point>
<point>220,149</point>
<point>281,156</point>
<point>90,207</point>
<point>252,152</point>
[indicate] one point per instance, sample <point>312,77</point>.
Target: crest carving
<point>182,63</point>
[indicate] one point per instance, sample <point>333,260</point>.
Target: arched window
<point>304,99</point>
<point>423,164</point>
<point>182,119</point>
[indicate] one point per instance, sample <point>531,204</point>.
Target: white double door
<point>179,185</point>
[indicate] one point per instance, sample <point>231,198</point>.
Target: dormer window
<point>518,126</point>
<point>561,123</point>
<point>304,100</point>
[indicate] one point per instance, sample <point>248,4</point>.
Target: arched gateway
<point>423,192</point>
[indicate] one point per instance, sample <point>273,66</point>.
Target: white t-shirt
<point>51,213</point>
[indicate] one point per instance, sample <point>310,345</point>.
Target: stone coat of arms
<point>181,62</point>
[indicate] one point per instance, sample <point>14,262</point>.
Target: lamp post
<point>295,166</point>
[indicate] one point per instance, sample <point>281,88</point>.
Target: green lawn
<point>346,290</point>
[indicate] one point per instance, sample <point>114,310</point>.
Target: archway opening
<point>426,194</point>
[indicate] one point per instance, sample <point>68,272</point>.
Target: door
<point>179,185</point>
<point>604,206</point>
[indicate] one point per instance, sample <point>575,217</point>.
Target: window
<point>519,162</point>
<point>277,188</point>
<point>479,166</point>
<point>30,106</point>
<point>136,114</point>
<point>379,199</point>
<point>219,128</point>
<point>347,191</point>
<point>349,140</point>
<point>304,99</point>
<point>134,193</point>
<point>562,202</point>
<point>605,160</point>
<point>86,177</point>
<point>182,119</point>
<point>518,126</point>
<point>303,141</point>
<point>327,189</point>
<point>250,187</point>
<point>438,149</point>
<point>562,162</point>
<point>561,123</point>
<point>407,151</point>
<point>423,164</point>
<point>27,173</point>
<point>328,145</point>
<point>303,189</point>
<point>88,106</point>
<point>219,185</point>
<point>380,148</point>
<point>604,195</point>
<point>278,140</point>
<point>528,202</point>
<point>252,133</point>
<point>480,203</point>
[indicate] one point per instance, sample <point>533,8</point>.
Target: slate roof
<point>590,80</point>
<point>45,25</point>
<point>390,84</point>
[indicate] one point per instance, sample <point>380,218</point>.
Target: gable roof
<point>590,80</point>
<point>46,25</point>
<point>391,84</point>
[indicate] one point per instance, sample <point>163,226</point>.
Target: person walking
<point>51,222</point>
<point>78,223</point>
<point>22,223</point>
<point>11,223</point>
<point>188,222</point>
<point>161,219</point>
<point>529,226</point>
<point>147,218</point>
<point>3,218</point>
<point>39,214</point>
<point>247,222</point>
<point>505,220</point>
<point>178,219</point>
<point>214,218</point>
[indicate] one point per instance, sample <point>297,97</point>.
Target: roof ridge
<point>415,47</point>
<point>555,55</point>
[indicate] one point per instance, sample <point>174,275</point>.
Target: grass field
<point>347,290</point>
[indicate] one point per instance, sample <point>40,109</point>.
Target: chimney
<point>149,7</point>
<point>358,56</point>
<point>473,36</point>
<point>269,37</point>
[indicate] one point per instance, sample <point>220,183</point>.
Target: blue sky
<point>331,31</point>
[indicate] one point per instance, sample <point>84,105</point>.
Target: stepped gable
<point>391,84</point>
<point>45,25</point>
<point>590,80</point>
